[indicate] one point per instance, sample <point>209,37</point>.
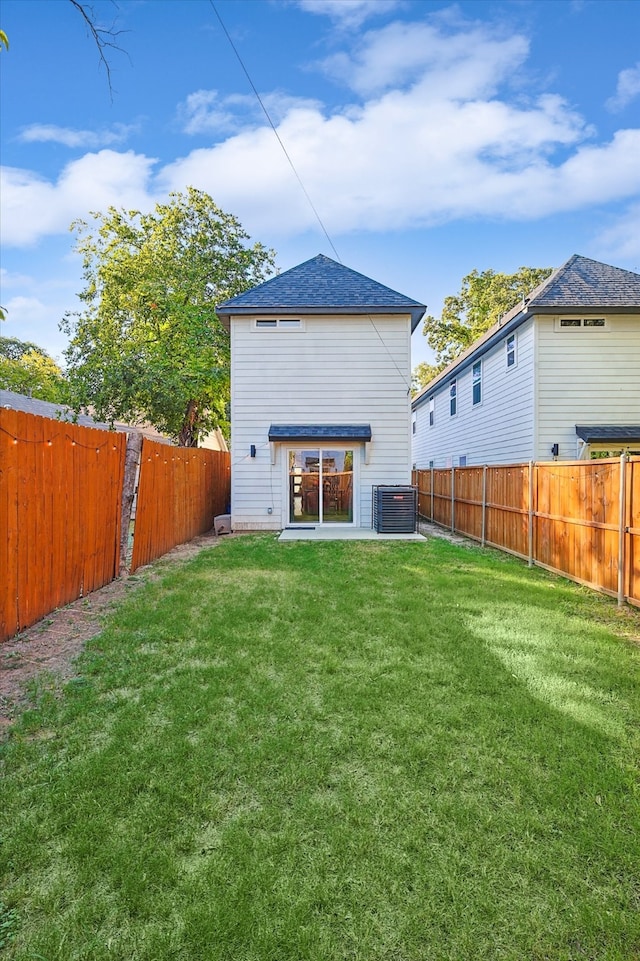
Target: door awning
<point>608,433</point>
<point>320,432</point>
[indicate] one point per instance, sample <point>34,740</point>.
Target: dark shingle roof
<point>582,283</point>
<point>581,286</point>
<point>603,433</point>
<point>320,285</point>
<point>323,432</point>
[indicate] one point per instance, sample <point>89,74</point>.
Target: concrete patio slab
<point>343,534</point>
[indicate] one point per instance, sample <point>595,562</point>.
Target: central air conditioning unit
<point>395,509</point>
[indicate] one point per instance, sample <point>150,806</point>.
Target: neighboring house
<point>557,376</point>
<point>44,408</point>
<point>320,404</point>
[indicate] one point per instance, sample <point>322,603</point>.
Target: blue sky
<point>433,138</point>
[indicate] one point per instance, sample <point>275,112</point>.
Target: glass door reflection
<point>320,486</point>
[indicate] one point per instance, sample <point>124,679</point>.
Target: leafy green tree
<point>148,346</point>
<point>28,369</point>
<point>482,300</point>
<point>423,374</point>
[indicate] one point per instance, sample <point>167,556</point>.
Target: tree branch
<point>104,38</point>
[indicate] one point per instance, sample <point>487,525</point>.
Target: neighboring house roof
<point>320,432</point>
<point>43,408</point>
<point>319,285</point>
<point>606,433</point>
<point>581,284</point>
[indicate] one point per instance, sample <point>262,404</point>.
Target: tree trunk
<point>132,459</point>
<point>188,436</point>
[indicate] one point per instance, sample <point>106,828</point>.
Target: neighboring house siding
<point>585,377</point>
<point>337,370</point>
<point>499,430</point>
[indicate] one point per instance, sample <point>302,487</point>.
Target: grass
<point>322,751</point>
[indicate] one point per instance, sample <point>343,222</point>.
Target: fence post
<point>484,505</point>
<point>622,527</point>
<point>432,493</point>
<point>530,531</point>
<point>453,500</point>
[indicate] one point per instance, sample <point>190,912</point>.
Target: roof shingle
<point>318,285</point>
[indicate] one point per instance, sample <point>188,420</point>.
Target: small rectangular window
<point>462,460</point>
<point>414,418</point>
<point>432,411</point>
<point>511,350</point>
<point>580,323</point>
<point>273,323</point>
<point>453,396</point>
<point>476,387</point>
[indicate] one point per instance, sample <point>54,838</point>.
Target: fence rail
<point>62,509</point>
<point>576,518</point>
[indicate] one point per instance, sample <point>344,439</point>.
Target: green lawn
<point>338,750</point>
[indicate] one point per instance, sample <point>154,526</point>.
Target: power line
<point>273,127</point>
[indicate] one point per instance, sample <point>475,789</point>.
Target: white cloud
<point>34,207</point>
<point>468,63</point>
<point>50,133</point>
<point>621,240</point>
<point>405,160</point>
<point>438,141</point>
<point>205,112</point>
<point>627,90</point>
<point>349,13</point>
<point>9,279</point>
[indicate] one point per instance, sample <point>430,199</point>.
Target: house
<point>44,408</point>
<point>557,377</point>
<point>320,396</point>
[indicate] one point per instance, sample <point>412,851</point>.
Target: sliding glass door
<point>320,486</point>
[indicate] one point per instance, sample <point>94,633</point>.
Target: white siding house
<point>558,376</point>
<point>320,406</point>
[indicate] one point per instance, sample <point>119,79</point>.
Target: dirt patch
<point>50,647</point>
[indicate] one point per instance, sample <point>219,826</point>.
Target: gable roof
<point>581,284</point>
<point>317,286</point>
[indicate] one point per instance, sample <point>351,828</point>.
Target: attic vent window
<point>578,323</point>
<point>286,323</point>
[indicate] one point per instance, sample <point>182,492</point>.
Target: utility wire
<point>273,127</point>
<point>299,179</point>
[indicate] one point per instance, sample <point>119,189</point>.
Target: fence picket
<point>61,498</point>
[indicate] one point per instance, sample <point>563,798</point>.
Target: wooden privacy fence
<point>180,491</point>
<point>576,518</point>
<point>63,509</point>
<point>60,492</point>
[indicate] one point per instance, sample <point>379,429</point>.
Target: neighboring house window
<point>453,396</point>
<point>511,350</point>
<point>476,387</point>
<point>414,418</point>
<point>462,460</point>
<point>432,411</point>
